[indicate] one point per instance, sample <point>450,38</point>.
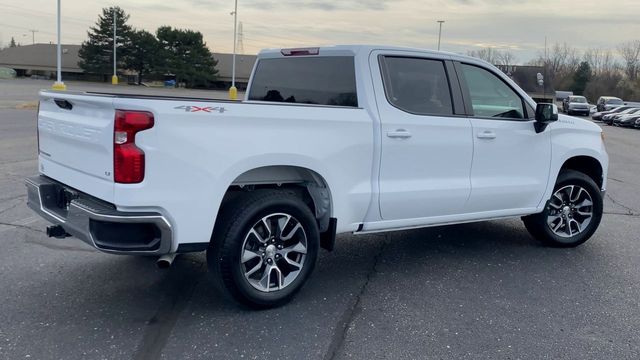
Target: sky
<point>517,25</point>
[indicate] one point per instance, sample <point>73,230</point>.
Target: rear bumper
<point>99,223</point>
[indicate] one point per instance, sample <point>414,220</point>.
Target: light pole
<point>59,85</point>
<point>114,78</point>
<point>33,36</point>
<point>440,33</point>
<point>233,91</point>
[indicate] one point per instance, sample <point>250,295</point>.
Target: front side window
<point>418,86</point>
<point>320,80</point>
<point>490,96</point>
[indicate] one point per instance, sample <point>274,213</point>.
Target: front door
<point>511,162</point>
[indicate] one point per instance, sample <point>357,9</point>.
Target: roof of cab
<point>359,49</point>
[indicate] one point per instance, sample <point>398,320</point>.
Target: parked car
<point>340,139</point>
<point>598,115</point>
<point>561,95</point>
<point>608,119</point>
<point>576,104</point>
<point>628,120</point>
<point>608,102</point>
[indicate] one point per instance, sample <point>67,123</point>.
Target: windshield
<point>614,102</point>
<point>581,100</point>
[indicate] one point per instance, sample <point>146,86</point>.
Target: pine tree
<point>581,78</point>
<point>12,44</point>
<point>96,54</point>
<point>144,53</point>
<point>185,54</point>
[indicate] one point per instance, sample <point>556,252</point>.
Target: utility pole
<point>233,91</point>
<point>440,33</point>
<point>114,78</point>
<point>546,61</point>
<point>33,36</point>
<point>59,85</point>
<point>240,39</point>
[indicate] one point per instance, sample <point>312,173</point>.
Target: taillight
<point>128,159</point>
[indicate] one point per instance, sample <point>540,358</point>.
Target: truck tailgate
<point>75,134</point>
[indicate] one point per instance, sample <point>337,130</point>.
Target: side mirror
<point>545,114</point>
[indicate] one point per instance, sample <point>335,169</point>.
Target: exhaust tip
<point>163,264</point>
<point>165,261</point>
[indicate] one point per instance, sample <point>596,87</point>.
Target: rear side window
<point>316,80</point>
<point>418,86</point>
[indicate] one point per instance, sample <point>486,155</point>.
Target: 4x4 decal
<point>207,109</point>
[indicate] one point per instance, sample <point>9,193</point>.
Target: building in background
<point>527,78</point>
<point>39,61</point>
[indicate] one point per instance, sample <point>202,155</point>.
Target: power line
<point>31,12</point>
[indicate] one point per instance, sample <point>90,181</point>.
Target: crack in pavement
<point>21,227</point>
<point>342,328</point>
<point>14,197</point>
<point>11,207</point>
<point>620,213</point>
<point>177,295</point>
<point>631,211</point>
<point>52,246</point>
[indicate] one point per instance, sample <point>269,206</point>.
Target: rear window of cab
<point>318,80</point>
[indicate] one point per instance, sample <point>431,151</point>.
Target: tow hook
<point>165,261</point>
<point>57,232</point>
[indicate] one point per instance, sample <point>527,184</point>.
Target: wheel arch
<point>587,165</point>
<point>310,185</point>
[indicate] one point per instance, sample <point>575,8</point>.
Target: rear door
<point>511,162</point>
<point>426,139</point>
<point>75,134</point>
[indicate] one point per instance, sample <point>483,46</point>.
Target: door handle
<point>486,135</point>
<point>399,134</point>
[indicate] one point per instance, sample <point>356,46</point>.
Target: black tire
<point>235,221</point>
<point>537,224</point>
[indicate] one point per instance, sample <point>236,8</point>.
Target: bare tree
<point>602,61</point>
<point>560,63</point>
<point>630,53</point>
<point>494,56</point>
<point>487,54</point>
<point>505,57</point>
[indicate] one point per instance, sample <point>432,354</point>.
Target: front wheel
<point>572,214</point>
<point>264,247</point>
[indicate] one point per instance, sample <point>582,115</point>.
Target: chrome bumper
<point>98,223</point>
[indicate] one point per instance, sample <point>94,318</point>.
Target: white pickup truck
<point>343,139</point>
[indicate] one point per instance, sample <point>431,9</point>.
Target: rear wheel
<point>264,247</point>
<point>572,214</point>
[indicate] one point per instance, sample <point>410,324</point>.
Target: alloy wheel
<point>273,252</point>
<point>570,211</point>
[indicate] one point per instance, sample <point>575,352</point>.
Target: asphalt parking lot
<point>474,291</point>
